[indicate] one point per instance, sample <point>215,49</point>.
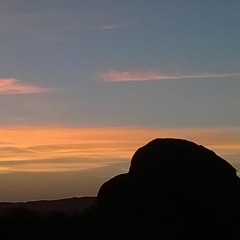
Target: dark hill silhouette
<point>68,206</point>
<point>45,219</point>
<point>175,189</point>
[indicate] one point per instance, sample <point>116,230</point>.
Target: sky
<point>84,84</point>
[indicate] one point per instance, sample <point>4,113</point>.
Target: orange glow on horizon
<point>53,149</point>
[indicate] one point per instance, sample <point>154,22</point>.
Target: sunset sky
<point>83,84</point>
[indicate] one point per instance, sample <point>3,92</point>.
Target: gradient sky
<point>83,84</point>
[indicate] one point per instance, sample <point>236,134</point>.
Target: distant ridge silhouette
<point>68,206</point>
<point>175,189</point>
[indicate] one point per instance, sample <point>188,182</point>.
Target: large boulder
<point>174,188</point>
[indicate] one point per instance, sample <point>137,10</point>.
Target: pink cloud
<point>140,75</point>
<point>15,86</point>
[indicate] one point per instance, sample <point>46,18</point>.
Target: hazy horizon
<point>84,84</point>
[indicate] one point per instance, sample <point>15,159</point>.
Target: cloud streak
<point>64,149</point>
<point>140,75</point>
<point>14,86</point>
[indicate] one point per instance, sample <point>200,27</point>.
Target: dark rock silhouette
<point>175,189</point>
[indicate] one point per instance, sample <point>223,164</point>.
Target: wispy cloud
<point>15,86</point>
<point>140,75</point>
<point>99,23</point>
<point>62,149</point>
<point>110,26</point>
<point>55,27</point>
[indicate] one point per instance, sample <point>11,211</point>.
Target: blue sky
<point>67,46</point>
<point>119,64</point>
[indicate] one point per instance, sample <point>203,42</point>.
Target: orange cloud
<point>47,149</point>
<point>140,75</point>
<point>15,86</point>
